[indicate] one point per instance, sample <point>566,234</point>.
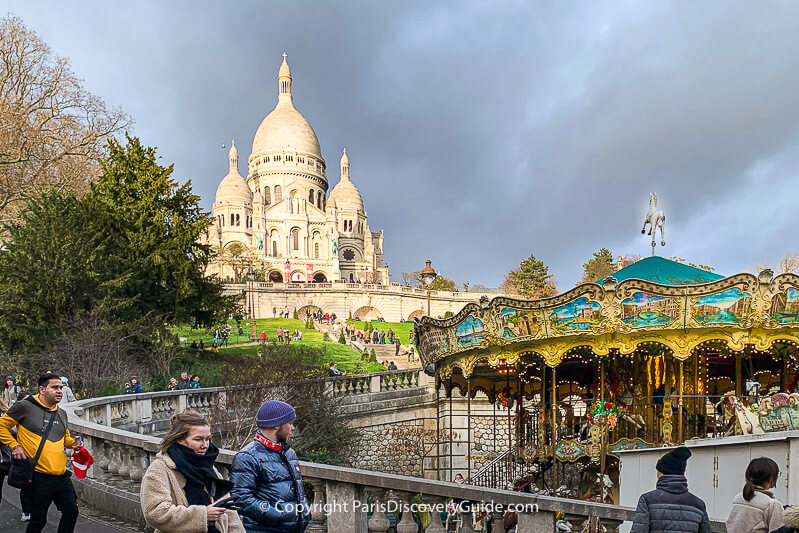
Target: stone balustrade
<point>378,382</point>
<point>118,431</point>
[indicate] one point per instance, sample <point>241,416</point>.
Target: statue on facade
<point>656,219</point>
<point>259,243</point>
<point>334,248</point>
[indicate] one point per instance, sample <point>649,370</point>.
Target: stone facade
<point>393,303</point>
<point>380,450</point>
<point>281,214</point>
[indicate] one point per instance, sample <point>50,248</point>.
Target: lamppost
<point>428,276</point>
<point>251,279</point>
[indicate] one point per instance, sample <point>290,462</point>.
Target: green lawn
<point>400,329</point>
<point>344,355</point>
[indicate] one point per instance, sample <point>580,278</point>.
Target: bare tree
<point>241,259</point>
<point>52,131</point>
<point>93,355</point>
<point>416,442</point>
<point>411,279</point>
<point>788,263</point>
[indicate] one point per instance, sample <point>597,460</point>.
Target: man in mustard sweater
<point>51,481</point>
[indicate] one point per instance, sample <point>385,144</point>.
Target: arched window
<point>232,219</point>
<point>318,199</point>
<point>238,220</point>
<point>274,248</point>
<point>278,193</point>
<point>316,250</point>
<point>295,239</point>
<point>352,278</point>
<point>267,196</point>
<point>310,197</point>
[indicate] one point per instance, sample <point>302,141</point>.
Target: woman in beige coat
<point>755,509</point>
<point>181,485</point>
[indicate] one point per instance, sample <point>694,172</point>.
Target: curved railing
<point>118,431</point>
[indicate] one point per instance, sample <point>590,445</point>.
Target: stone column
<point>378,523</point>
<point>342,516</point>
<point>435,516</point>
<point>317,508</point>
<point>406,523</point>
<point>541,522</point>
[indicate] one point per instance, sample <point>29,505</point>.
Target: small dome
<point>257,197</point>
<point>331,203</point>
<point>233,189</point>
<point>345,195</point>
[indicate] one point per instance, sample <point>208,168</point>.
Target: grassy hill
<point>346,357</point>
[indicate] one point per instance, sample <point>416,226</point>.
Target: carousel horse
<point>656,219</point>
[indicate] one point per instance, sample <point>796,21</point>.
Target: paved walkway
<point>10,513</point>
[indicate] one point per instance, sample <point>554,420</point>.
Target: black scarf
<point>198,470</point>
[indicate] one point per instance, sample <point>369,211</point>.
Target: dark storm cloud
<point>481,132</point>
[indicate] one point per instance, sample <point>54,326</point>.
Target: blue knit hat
<point>274,413</point>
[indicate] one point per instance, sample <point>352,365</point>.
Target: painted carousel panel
<point>434,343</point>
<point>581,315</point>
<point>515,323</point>
<point>470,331</point>
<point>648,310</point>
<point>732,306</point>
<point>785,307</point>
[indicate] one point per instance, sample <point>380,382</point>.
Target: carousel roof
<point>665,272</point>
<point>655,304</point>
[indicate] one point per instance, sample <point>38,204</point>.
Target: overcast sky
<point>481,132</point>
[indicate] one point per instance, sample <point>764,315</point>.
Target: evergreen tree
<point>156,224</point>
<point>127,253</point>
<point>599,266</point>
<point>54,266</point>
<point>532,279</point>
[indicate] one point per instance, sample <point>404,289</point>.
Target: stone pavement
<point>10,522</point>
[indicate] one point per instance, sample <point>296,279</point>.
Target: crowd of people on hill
<point>376,336</point>
<point>320,316</point>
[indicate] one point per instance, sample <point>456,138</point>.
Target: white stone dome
<point>233,188</point>
<point>285,129</point>
<point>346,195</point>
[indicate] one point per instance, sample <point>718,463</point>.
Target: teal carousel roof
<point>664,272</point>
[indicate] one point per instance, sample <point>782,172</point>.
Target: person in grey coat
<point>670,507</point>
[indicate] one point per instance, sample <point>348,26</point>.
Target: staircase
<point>384,352</point>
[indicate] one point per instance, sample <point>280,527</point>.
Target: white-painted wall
<point>716,469</point>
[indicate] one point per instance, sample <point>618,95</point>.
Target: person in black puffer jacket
<point>266,476</point>
<point>670,507</point>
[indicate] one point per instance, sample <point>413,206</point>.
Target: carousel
<point>654,355</point>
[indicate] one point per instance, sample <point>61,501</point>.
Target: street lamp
<point>428,276</point>
<point>251,279</point>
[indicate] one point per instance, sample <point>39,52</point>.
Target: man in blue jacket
<point>266,476</point>
<point>670,507</point>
